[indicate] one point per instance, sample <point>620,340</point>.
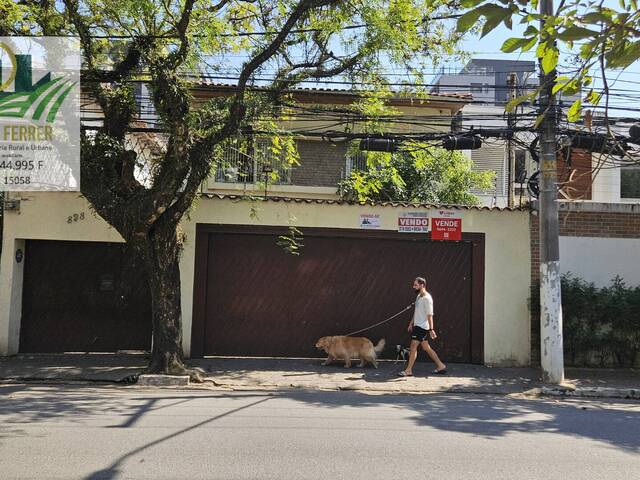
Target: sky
<point>627,83</point>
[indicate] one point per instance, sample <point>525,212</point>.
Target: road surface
<point>89,432</point>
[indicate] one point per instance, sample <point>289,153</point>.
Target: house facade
<point>67,284</point>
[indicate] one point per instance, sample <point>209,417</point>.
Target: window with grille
<point>358,161</point>
<point>492,158</point>
<point>251,162</point>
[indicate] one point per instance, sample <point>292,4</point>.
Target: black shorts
<point>419,334</point>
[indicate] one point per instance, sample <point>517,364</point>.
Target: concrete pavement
<point>273,374</point>
<point>108,432</point>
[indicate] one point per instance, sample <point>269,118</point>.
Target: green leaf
<point>574,112</point>
<point>468,20</point>
<point>494,16</point>
<point>596,18</point>
<point>532,43</point>
<point>593,97</point>
<point>470,3</point>
<point>513,44</point>
<point>512,104</point>
<point>576,33</point>
<point>566,85</point>
<point>550,59</point>
<point>539,120</point>
<point>624,56</point>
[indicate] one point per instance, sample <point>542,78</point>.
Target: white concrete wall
<point>606,183</point>
<point>507,256</point>
<point>599,260</point>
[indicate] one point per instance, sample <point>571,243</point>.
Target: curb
<point>592,392</point>
<point>149,380</point>
<point>456,389</point>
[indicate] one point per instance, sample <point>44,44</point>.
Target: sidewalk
<point>260,374</point>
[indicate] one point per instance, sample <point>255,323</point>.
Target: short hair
<point>421,281</point>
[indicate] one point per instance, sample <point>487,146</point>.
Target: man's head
<point>419,283</point>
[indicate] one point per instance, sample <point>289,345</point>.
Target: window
<point>476,88</point>
<point>356,162</point>
<point>248,163</point>
<point>630,182</point>
<point>521,165</point>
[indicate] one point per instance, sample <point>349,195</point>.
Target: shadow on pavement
<point>476,415</point>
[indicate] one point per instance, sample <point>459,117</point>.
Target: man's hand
<point>409,328</point>
<point>433,334</point>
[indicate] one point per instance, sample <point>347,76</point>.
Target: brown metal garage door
<point>254,299</point>
<point>83,296</point>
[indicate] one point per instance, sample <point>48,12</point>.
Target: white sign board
<point>369,220</point>
<point>413,222</point>
<point>39,113</point>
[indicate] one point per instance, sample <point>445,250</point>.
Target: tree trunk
<point>161,253</point>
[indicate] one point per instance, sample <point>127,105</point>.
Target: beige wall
<point>507,279</point>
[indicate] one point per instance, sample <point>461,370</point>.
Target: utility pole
<point>551,350</point>
<point>511,154</point>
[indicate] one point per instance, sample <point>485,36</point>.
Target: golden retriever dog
<point>347,348</point>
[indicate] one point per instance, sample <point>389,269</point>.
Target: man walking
<point>421,328</point>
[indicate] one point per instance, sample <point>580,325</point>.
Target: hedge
<point>601,326</point>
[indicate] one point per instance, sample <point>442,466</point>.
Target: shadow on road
<point>477,415</point>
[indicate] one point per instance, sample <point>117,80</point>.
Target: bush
<point>601,326</point>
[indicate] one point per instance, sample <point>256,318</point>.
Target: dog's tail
<point>380,346</point>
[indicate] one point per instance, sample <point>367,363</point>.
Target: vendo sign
<point>446,225</point>
<point>413,222</point>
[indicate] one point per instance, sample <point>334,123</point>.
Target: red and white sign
<point>446,225</point>
<point>413,222</point>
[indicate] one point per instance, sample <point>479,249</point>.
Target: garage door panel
<point>263,301</point>
<point>83,296</point>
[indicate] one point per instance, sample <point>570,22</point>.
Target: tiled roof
<point>325,201</point>
<point>206,83</point>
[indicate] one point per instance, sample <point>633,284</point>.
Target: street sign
<point>446,225</point>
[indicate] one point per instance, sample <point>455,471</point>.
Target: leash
<point>408,307</point>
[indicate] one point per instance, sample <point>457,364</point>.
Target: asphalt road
<point>125,432</point>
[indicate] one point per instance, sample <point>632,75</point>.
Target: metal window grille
<point>492,158</point>
<point>357,161</point>
<point>238,166</point>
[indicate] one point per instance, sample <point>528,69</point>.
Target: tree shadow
<point>494,417</point>
<point>483,416</point>
<point>113,470</point>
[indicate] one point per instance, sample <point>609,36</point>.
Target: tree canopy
<point>169,45</point>
<point>421,173</point>
<point>600,37</point>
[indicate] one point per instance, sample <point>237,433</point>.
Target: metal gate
<point>254,299</point>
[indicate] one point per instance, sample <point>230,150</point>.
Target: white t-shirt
<point>424,308</point>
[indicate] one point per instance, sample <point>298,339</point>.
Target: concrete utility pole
<point>552,357</point>
<point>511,154</point>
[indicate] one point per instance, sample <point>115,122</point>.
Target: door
<point>83,297</point>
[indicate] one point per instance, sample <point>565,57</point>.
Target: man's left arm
<point>432,330</point>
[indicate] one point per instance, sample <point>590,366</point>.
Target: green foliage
<point>422,173</point>
<point>601,326</point>
<point>608,36</point>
